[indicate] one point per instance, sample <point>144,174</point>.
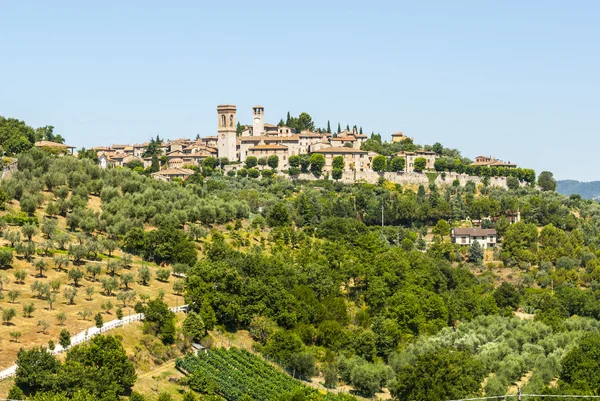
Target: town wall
<point>404,178</point>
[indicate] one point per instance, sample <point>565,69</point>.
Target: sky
<point>516,80</point>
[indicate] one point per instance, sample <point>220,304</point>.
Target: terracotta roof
<point>270,125</point>
<point>174,171</point>
<point>339,149</point>
<point>119,146</point>
<point>310,135</point>
<point>345,138</point>
<point>269,147</point>
<point>49,144</point>
<point>257,138</point>
<point>175,154</point>
<point>177,160</point>
<point>400,133</point>
<point>474,232</point>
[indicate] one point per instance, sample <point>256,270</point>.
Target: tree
<point>107,306</point>
<point>126,279</point>
<point>107,371</point>
<point>61,262</point>
<point>44,325</point>
<point>89,291</point>
<point>99,320</point>
<point>6,257</point>
<point>278,216</point>
<point>581,367</point>
<point>419,164</point>
<point>64,339</point>
<point>194,327</point>
<point>61,317</point>
<point>442,228</point>
<point>337,173</point>
<point>379,163</point>
<point>144,275</point>
<point>35,369</point>
<point>273,161</point>
<point>507,295</point>
<point>119,313</point>
<point>113,266</point>
<point>13,295</point>
<point>109,284</point>
<point>163,275</point>
<point>29,230</point>
<point>253,173</point>
<point>7,315</point>
<point>75,274</point>
<point>49,227</point>
<point>28,310</point>
<point>20,276</point>
<point>546,181</point>
<point>512,183</point>
<point>338,162</point>
<point>294,161</point>
<point>70,293</point>
<point>126,297</point>
<point>440,374</point>
<point>398,164</point>
<point>302,365</point>
<point>317,162</point>
<point>93,269</point>
<point>251,162</point>
<point>155,166</point>
<point>437,148</point>
<point>475,253</point>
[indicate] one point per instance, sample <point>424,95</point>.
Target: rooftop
<point>474,232</point>
<point>339,149</point>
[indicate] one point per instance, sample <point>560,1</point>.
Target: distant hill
<point>587,190</point>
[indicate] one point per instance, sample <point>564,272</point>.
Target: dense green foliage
<point>308,269</point>
<point>100,368</point>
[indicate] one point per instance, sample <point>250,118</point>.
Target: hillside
<point>306,268</point>
<point>587,190</point>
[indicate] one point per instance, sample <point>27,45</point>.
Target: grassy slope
<point>31,336</point>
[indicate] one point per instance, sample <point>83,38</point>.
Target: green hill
<point>587,190</point>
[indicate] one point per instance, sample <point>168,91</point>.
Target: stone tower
<point>258,120</point>
<point>226,132</point>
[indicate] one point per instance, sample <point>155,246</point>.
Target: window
<point>464,240</point>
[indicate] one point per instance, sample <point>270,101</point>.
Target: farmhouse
<point>487,237</point>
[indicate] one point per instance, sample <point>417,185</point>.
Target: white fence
<point>87,334</point>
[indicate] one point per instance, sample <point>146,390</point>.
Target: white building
<point>487,237</point>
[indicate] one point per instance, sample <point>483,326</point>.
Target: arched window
<point>223,120</point>
<point>231,120</point>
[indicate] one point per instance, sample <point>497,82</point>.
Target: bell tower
<point>258,120</point>
<point>226,131</point>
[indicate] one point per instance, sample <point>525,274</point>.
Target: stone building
<point>410,157</point>
<point>354,159</point>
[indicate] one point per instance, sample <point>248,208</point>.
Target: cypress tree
<point>328,127</point>
<point>339,128</point>
<point>155,166</point>
<point>360,132</point>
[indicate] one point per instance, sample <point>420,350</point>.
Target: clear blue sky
<point>518,80</point>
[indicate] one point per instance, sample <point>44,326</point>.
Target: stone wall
<point>402,178</point>
<point>372,177</point>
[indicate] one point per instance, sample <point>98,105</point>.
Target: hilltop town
<point>266,149</point>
